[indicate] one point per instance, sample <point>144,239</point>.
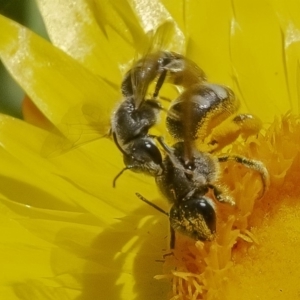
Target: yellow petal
<point>263,81</point>
<point>92,230</point>
<point>89,238</point>
<point>94,34</point>
<point>28,247</point>
<point>258,57</point>
<point>34,63</point>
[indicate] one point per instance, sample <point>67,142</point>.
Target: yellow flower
<point>67,234</point>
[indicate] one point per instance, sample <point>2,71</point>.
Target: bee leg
<point>159,83</point>
<point>249,124</point>
<point>243,125</point>
<point>108,134</point>
<point>165,99</point>
<point>172,231</point>
<point>255,165</point>
<point>170,151</point>
<point>172,238</point>
<point>117,143</point>
<point>221,196</point>
<point>155,104</point>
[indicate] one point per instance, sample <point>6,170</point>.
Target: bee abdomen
<point>210,104</point>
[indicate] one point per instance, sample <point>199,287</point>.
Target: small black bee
<point>135,115</point>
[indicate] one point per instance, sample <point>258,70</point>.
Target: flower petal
<point>258,57</point>
<point>35,63</point>
<point>260,43</point>
<point>99,39</point>
<point>91,235</point>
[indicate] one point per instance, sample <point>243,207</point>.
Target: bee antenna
<point>151,204</point>
<point>118,175</point>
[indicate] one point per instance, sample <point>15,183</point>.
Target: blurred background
<point>26,13</point>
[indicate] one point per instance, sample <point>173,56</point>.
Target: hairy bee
<point>136,114</point>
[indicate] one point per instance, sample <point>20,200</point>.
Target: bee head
<point>195,218</point>
<point>143,156</point>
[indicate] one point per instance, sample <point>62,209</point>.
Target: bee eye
<point>143,156</point>
<point>150,150</point>
<point>195,217</point>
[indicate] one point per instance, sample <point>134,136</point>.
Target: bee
<point>136,114</point>
<point>188,174</point>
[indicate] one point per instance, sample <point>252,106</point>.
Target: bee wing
<point>162,38</point>
<point>145,67</point>
<point>79,126</point>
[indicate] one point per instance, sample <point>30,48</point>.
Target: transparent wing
<point>143,70</point>
<point>80,125</point>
